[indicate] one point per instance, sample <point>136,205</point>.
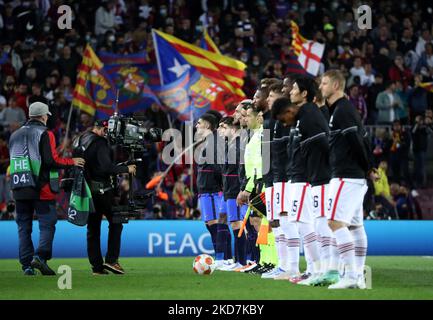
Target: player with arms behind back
<point>350,165</point>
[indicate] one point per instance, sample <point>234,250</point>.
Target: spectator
<point>405,203</point>
<point>372,93</point>
<point>388,103</point>
<point>420,133</point>
<point>398,72</point>
<point>182,198</point>
<point>399,152</point>
<point>423,39</point>
<point>382,63</point>
<point>425,63</point>
<point>21,97</point>
<point>68,64</point>
<point>357,69</point>
<point>407,41</point>
<point>185,32</point>
<point>403,112</point>
<point>5,195</point>
<point>367,79</point>
<point>36,94</point>
<point>244,29</point>
<point>13,113</point>
<point>105,19</point>
<point>418,99</point>
<point>358,101</point>
<point>8,89</point>
<point>380,146</point>
<point>382,192</point>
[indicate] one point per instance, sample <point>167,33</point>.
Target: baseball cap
<point>37,109</point>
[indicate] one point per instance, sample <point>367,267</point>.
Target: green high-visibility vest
<point>26,160</point>
<point>253,158</point>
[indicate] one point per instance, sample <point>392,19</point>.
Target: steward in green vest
<point>34,165</point>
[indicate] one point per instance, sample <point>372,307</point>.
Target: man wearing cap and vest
<point>100,167</point>
<point>34,181</point>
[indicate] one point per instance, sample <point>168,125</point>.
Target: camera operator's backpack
<point>79,145</point>
<point>80,202</point>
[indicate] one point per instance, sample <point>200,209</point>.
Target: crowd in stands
<point>384,67</point>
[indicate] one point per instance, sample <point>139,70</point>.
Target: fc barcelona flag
<point>132,76</point>
<point>94,91</point>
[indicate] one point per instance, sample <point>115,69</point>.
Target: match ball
<point>203,264</point>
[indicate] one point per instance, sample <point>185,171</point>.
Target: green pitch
<point>173,278</point>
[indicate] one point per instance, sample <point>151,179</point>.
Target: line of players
<point>304,145</point>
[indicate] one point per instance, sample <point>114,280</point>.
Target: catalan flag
<point>207,43</point>
<point>297,39</point>
<point>309,52</point>
<point>427,86</point>
<point>224,71</point>
<point>94,92</point>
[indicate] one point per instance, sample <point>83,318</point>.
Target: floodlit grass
<point>173,279</point>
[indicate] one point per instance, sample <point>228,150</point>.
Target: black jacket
<point>314,144</point>
<point>349,156</point>
<point>99,158</point>
<point>209,179</point>
<point>279,152</point>
<point>230,169</point>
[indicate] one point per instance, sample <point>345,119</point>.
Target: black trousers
<point>103,204</point>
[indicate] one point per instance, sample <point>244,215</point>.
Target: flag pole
<point>68,124</point>
<point>116,109</point>
<point>158,62</point>
<point>191,155</point>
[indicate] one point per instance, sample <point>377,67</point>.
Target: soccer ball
<point>203,264</point>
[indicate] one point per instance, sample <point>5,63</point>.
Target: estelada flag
<point>224,71</point>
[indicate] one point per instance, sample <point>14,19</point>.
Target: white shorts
<point>345,200</point>
<point>319,198</point>
<point>269,194</point>
<point>299,205</point>
<point>279,205</point>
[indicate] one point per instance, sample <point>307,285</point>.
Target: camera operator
<point>34,177</point>
<point>99,169</point>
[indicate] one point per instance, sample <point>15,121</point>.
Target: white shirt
<point>367,80</point>
<point>357,72</point>
<point>391,110</point>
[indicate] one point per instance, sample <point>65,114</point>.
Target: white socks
<point>360,241</point>
<point>328,246</point>
<point>311,247</point>
<point>281,244</point>
<point>346,249</point>
<point>291,239</point>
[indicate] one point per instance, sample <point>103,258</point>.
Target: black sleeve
<point>350,128</point>
<point>105,163</point>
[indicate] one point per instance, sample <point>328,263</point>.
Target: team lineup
<point>292,173</point>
